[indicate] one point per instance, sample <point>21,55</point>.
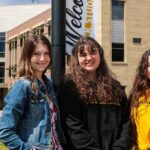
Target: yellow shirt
<point>141,116</point>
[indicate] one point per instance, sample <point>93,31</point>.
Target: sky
<point>17,2</point>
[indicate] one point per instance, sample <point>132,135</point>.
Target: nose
<point>42,57</point>
<point>88,57</point>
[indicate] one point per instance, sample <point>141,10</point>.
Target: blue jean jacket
<point>26,123</point>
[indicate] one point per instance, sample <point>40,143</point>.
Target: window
<point>117,52</point>
<point>21,42</point>
<point>117,10</point>
<point>15,43</point>
<point>117,31</point>
<point>137,40</point>
<point>2,72</point>
<point>49,30</point>
<point>2,44</point>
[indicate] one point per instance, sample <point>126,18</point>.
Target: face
<point>89,59</point>
<point>148,68</point>
<point>40,59</point>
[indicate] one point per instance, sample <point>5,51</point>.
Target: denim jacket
<point>26,123</point>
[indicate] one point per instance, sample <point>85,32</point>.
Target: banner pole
<point>58,42</point>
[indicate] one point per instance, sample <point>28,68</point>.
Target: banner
<point>81,20</point>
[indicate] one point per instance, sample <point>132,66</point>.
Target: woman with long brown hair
<point>30,119</point>
<point>140,103</point>
<point>95,104</point>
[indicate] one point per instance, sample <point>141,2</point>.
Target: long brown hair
<point>140,85</point>
<point>141,81</point>
<point>27,52</point>
<point>25,60</point>
<point>105,89</point>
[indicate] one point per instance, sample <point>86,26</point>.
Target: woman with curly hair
<point>140,103</point>
<point>95,104</point>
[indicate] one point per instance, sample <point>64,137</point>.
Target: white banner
<point>81,20</point>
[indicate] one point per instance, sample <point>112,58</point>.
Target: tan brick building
<point>123,31</point>
<point>124,24</point>
<point>16,23</point>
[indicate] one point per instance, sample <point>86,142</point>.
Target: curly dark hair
<point>105,89</point>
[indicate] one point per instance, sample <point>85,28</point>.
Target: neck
<point>92,76</point>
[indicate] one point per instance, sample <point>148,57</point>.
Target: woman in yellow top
<point>140,104</point>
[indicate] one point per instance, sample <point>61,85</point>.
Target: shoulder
<point>117,84</point>
<point>18,92</point>
<point>23,81</point>
<point>119,90</point>
<point>68,88</point>
<point>68,83</point>
<point>21,84</point>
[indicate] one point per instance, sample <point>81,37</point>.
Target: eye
<point>93,52</point>
<point>82,54</point>
<point>36,54</point>
<point>47,53</point>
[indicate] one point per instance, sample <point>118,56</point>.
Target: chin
<point>42,70</point>
<point>91,70</point>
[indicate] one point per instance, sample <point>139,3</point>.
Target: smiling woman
<point>94,104</point>
<point>31,118</point>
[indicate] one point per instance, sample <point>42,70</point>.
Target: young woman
<point>95,104</point>
<point>30,119</point>
<point>140,103</point>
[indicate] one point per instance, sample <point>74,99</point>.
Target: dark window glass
<point>2,97</point>
<point>21,42</point>
<point>2,72</point>
<point>117,10</point>
<point>137,40</point>
<point>42,31</point>
<point>2,80</point>
<point>2,44</point>
<point>2,33</point>
<point>15,43</point>
<point>117,52</point>
<point>49,30</point>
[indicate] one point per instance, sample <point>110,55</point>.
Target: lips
<point>41,64</point>
<point>90,64</point>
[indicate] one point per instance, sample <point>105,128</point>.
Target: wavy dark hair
<point>105,89</point>
<point>141,82</point>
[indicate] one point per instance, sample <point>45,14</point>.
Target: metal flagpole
<point>58,42</point>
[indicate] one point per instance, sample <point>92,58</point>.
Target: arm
<point>76,130</point>
<point>12,113</point>
<point>124,142</point>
